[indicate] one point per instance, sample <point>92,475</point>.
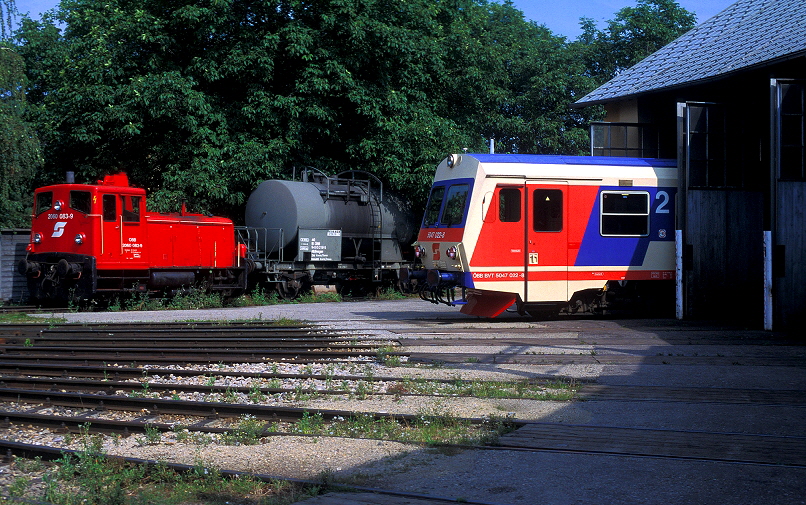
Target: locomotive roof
<point>551,159</point>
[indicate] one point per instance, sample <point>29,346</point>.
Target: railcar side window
<point>509,205</point>
<point>434,204</point>
<point>110,208</point>
<point>80,201</point>
<point>44,201</point>
<point>624,214</point>
<point>130,209</point>
<point>548,209</point>
<point>454,212</point>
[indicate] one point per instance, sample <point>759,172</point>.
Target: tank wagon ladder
<point>374,201</point>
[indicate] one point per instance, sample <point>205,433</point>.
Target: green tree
<point>8,12</point>
<point>19,147</point>
<point>531,78</point>
<point>632,35</point>
<point>201,100</point>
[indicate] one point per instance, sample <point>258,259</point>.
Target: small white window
<point>624,213</point>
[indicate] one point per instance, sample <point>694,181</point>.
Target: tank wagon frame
<point>342,231</point>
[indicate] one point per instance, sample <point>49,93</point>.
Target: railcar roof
<point>547,159</point>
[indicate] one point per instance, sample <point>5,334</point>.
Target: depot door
<point>546,241</point>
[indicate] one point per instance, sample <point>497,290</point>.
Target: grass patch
<point>552,391</point>
<point>89,478</point>
<point>431,426</point>
<point>20,318</point>
<point>390,293</point>
<point>326,297</point>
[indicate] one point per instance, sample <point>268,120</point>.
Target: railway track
<point>68,382</point>
<point>191,343</point>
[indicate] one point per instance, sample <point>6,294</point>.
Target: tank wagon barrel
<point>343,230</point>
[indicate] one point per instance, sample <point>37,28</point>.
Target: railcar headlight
<point>80,237</point>
<point>37,238</point>
<point>419,252</point>
<point>58,205</point>
<point>451,252</point>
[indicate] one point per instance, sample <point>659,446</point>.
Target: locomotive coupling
<point>438,278</point>
<point>29,268</point>
<point>66,269</point>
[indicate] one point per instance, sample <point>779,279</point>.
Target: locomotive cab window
<point>80,201</point>
<point>44,201</point>
<point>110,208</point>
<point>509,205</point>
<point>130,208</point>
<point>434,204</point>
<point>547,206</point>
<point>624,214</point>
<point>454,212</point>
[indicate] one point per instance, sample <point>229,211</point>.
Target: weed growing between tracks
<point>433,426</point>
<point>88,477</point>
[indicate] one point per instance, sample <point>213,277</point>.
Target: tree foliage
<point>632,35</point>
<point>200,100</point>
<point>19,146</point>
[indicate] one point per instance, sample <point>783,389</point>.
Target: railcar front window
<point>509,205</point>
<point>44,201</point>
<point>80,201</point>
<point>454,212</point>
<point>434,204</point>
<point>625,214</point>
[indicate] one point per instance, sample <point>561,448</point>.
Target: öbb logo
<point>58,229</point>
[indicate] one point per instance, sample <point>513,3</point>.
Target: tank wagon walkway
<point>668,411</point>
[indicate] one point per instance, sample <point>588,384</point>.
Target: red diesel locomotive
<point>89,240</point>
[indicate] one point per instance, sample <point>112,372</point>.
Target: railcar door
<point>546,237</point>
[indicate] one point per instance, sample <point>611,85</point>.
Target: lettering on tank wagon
<point>323,245</point>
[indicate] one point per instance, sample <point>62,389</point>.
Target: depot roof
<point>748,34</point>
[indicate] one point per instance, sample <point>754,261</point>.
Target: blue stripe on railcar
<point>627,251</point>
<point>550,159</point>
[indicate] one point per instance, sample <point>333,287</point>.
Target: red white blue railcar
<point>548,233</point>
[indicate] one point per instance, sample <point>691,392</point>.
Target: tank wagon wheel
<point>289,289</point>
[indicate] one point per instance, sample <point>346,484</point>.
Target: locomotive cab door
<point>546,240</point>
<point>110,228</point>
<point>123,234</point>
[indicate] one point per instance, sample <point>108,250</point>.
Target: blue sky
<point>560,16</point>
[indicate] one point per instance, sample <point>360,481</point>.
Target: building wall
<point>13,286</point>
<point>789,282</point>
